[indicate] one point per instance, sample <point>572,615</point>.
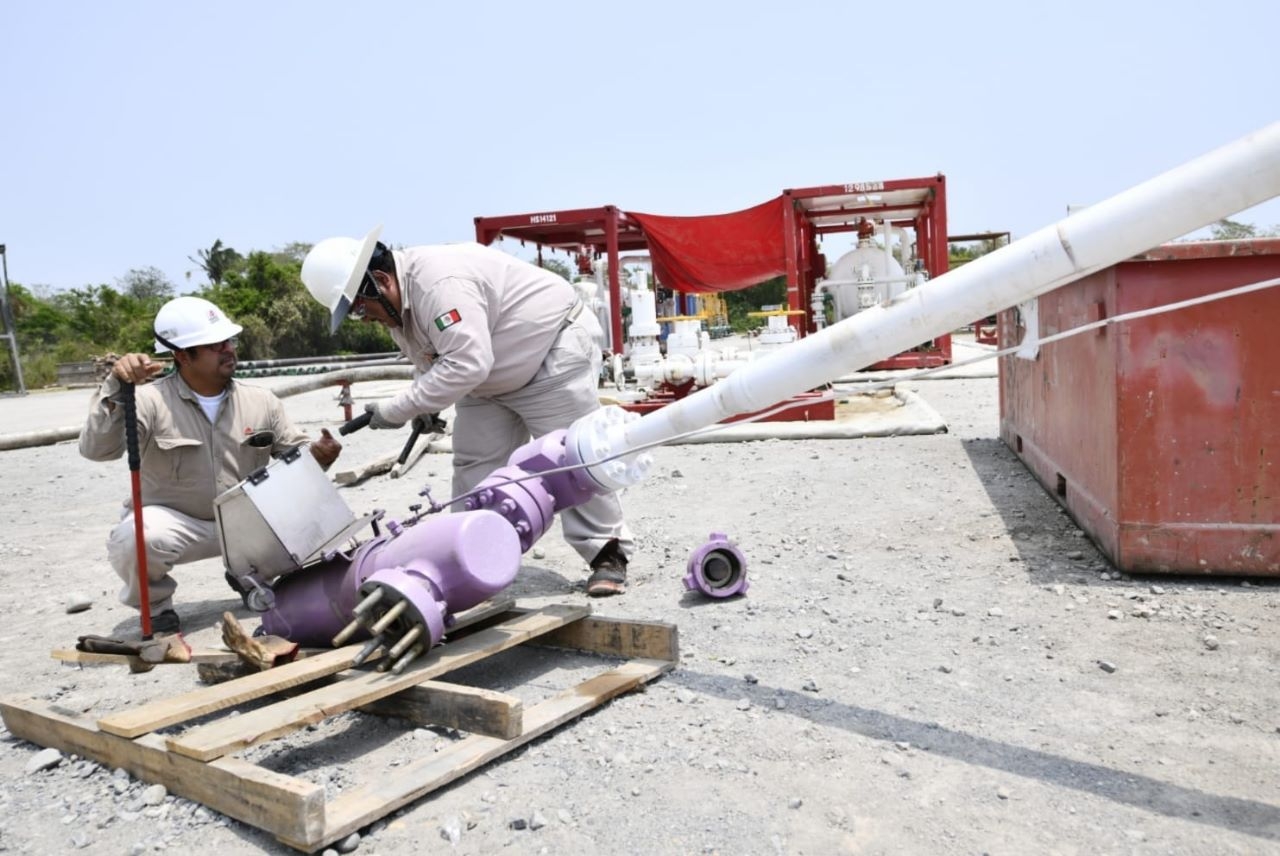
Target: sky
<point>137,133</point>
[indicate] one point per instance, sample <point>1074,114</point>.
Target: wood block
<point>454,706</point>
<point>611,637</point>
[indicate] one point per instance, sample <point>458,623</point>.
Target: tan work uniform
<point>508,343</point>
<point>186,461</point>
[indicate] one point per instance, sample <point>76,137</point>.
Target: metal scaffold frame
<point>6,318</point>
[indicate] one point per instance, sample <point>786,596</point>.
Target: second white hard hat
<point>185,322</point>
<point>333,269</point>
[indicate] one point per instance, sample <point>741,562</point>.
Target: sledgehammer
<point>135,477</point>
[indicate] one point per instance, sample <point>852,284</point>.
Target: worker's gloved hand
<point>378,420</point>
<point>261,652</point>
<point>429,423</point>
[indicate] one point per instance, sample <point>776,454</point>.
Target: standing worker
<point>199,433</point>
<point>503,340</point>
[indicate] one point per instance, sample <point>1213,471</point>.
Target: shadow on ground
<point>1043,531</point>
<point>1257,819</point>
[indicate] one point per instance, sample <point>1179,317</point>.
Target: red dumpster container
<point>1161,436</point>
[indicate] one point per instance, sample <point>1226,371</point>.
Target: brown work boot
<point>608,571</point>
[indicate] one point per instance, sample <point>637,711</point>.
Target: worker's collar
<point>402,281</point>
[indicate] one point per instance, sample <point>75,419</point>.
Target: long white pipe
<point>1216,185</point>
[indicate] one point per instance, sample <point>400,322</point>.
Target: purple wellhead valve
<point>401,589</point>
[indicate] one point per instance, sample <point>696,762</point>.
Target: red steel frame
<point>608,230</point>
<point>605,230</point>
<point>916,203</point>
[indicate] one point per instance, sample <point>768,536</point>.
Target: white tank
<point>863,277</point>
<point>867,258</point>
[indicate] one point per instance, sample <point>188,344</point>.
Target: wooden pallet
<point>198,762</point>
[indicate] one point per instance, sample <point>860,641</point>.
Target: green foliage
<point>558,267</point>
<point>1230,230</point>
<point>217,261</point>
<point>294,251</point>
<point>771,292</point>
<point>962,252</point>
<point>146,284</point>
<point>262,292</point>
<point>357,337</point>
<point>265,295</point>
<point>77,325</point>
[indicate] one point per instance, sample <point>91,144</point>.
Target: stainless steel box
<point>281,517</point>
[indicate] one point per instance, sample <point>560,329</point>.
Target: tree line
<point>261,291</point>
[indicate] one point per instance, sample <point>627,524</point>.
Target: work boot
<point>166,622</point>
<point>608,571</point>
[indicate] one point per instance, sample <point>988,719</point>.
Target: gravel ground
<point>931,657</point>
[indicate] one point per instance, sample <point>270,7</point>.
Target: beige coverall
<point>186,461</point>
<point>507,343</point>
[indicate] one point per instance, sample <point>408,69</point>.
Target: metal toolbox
<point>1160,436</point>
<point>282,517</point>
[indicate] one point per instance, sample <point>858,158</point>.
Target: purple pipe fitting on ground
<point>717,568</point>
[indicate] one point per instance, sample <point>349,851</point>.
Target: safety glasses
<point>224,345</point>
<point>368,290</point>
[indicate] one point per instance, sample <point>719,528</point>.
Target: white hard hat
<point>332,272</point>
<point>185,322</point>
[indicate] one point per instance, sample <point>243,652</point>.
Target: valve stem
<point>389,617</point>
<point>372,645</point>
<point>405,641</point>
<point>346,633</point>
<point>374,596</point>
<point>408,658</point>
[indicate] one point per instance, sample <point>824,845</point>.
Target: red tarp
<point>720,252</point>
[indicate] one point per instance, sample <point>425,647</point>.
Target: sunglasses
<point>223,345</point>
<point>368,290</point>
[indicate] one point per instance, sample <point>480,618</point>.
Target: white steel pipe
<point>1216,185</point>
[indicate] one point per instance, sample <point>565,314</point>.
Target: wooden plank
<point>454,706</point>
<point>233,733</point>
<point>165,712</point>
<point>612,637</point>
<point>361,806</point>
<point>376,467</point>
<point>282,805</point>
<point>480,612</point>
<point>71,655</point>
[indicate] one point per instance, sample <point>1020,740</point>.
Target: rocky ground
<point>932,657</point>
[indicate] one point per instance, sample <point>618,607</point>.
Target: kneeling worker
<point>199,433</point>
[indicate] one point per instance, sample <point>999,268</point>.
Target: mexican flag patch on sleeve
<point>448,319</point>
